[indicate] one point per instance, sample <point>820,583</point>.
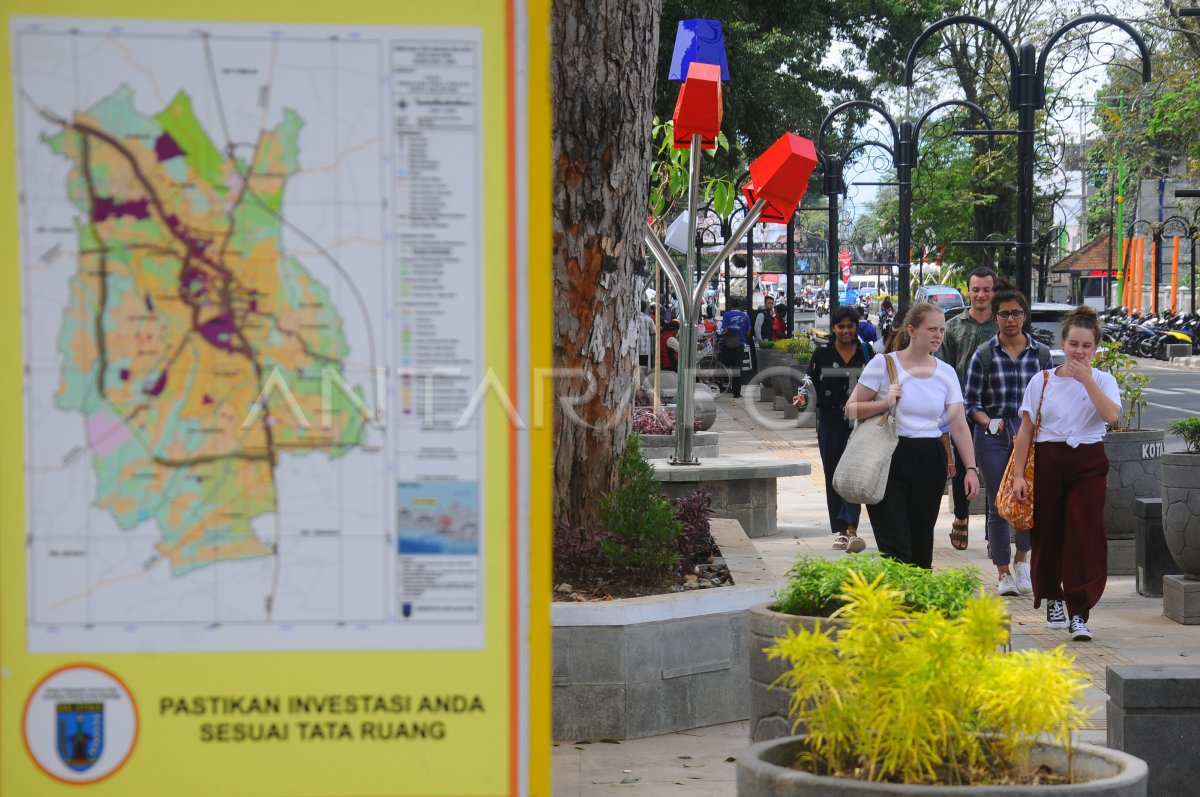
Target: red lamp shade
<point>780,176</point>
<point>698,109</point>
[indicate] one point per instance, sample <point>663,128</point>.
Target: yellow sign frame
<point>503,750</point>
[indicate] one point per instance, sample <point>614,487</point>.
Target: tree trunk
<point>604,55</point>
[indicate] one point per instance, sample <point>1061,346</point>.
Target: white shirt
<point>1069,416</point>
<point>920,411</point>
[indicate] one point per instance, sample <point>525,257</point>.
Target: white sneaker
<point>1079,630</point>
<point>1024,582</point>
<point>1056,614</point>
<point>1007,586</point>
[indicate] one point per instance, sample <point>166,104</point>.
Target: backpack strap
<point>986,356</point>
<point>1043,356</point>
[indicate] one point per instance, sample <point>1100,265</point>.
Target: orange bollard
<point>1135,282</point>
<point>1174,271</point>
<point>1125,273</point>
<point>1154,244</point>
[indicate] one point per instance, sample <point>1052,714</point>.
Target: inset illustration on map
<point>437,517</point>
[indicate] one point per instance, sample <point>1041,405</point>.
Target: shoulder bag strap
<point>892,377</point>
<point>1037,424</point>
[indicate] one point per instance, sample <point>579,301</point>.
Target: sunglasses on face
<point>1004,315</point>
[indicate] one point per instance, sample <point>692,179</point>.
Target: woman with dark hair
<point>925,392</point>
<point>1075,402</point>
<point>833,371</point>
<point>997,375</point>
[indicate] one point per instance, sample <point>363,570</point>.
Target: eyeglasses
<point>1007,314</point>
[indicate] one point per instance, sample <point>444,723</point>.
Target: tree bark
<point>603,62</point>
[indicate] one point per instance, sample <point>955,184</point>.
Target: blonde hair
<point>916,314</point>
<point>897,340</point>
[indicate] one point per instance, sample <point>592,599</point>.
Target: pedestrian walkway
<point>1127,627</point>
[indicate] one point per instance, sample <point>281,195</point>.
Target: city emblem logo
<point>81,724</point>
<point>80,734</point>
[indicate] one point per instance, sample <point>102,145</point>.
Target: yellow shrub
<point>922,698</point>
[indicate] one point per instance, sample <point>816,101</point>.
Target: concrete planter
<point>764,770</point>
<point>662,446</point>
<point>1181,510</point>
<point>1134,469</point>
<point>782,374</point>
<point>635,667</point>
<point>769,707</point>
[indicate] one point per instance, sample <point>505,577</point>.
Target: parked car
<point>1045,324</point>
<point>946,297</point>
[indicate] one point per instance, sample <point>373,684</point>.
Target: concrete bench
<point>1154,714</point>
<point>745,490</point>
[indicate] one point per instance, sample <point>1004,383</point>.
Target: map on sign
<point>182,304</point>
<point>208,251</point>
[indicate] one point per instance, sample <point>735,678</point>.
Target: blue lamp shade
<point>700,40</point>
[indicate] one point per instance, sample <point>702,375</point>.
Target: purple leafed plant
<point>646,422</point>
<point>696,543</point>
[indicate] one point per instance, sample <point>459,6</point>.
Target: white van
<point>873,284</point>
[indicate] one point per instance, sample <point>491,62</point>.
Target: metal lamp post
<point>1191,193</point>
<point>1026,96</point>
<point>903,149</point>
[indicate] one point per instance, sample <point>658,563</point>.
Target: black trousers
<point>958,486</point>
<point>903,521</point>
<point>833,432</point>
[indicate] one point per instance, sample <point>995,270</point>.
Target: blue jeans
<point>833,431</point>
<point>991,454</point>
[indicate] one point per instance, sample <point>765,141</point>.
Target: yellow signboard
<point>264,480</point>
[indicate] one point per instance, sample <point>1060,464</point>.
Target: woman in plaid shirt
<point>997,375</point>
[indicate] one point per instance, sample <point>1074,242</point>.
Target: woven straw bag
<point>862,473</point>
<point>1019,514</point>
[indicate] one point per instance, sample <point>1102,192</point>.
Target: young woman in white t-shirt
<point>1070,552</point>
<point>926,393</point>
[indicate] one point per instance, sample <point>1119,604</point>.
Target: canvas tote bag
<point>862,473</point>
<point>1019,514</point>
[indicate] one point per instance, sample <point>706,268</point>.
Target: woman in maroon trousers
<point>1077,401</point>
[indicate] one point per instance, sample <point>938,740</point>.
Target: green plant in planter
<point>766,344</point>
<point>799,347</point>
<point>1189,430</point>
<point>641,547</point>
<point>816,586</point>
<point>918,697</point>
<point>1131,382</point>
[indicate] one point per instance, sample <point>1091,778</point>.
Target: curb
<point>1185,362</point>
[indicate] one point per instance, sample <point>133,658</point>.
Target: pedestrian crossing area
<point>1173,391</point>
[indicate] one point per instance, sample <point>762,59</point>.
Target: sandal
<point>958,534</point>
<point>840,542</point>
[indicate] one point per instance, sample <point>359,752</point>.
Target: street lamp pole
<point>1026,96</point>
<point>1191,193</point>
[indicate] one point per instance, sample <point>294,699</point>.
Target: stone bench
<point>745,490</point>
<point>1154,713</point>
<point>635,667</point>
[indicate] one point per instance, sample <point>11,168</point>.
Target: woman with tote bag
<point>925,392</point>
